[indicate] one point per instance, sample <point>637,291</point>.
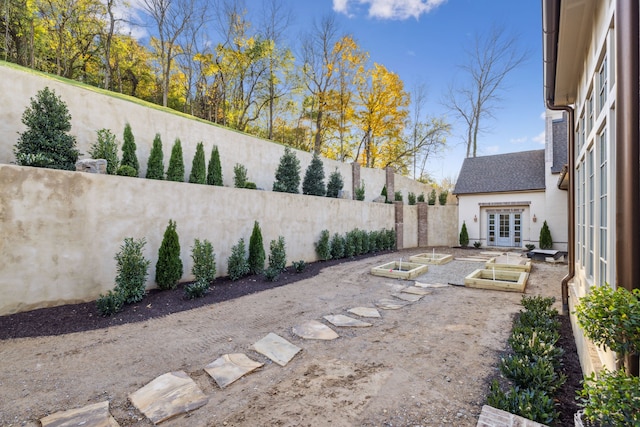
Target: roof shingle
<point>502,173</point>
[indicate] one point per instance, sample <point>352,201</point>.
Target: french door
<point>504,229</point>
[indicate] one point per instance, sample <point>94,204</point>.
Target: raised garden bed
<point>497,280</point>
<point>400,270</point>
<point>514,263</point>
<point>431,258</point>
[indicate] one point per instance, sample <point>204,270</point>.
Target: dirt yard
<point>426,364</point>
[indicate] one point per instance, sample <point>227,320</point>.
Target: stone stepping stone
<point>231,367</point>
<point>276,348</point>
<point>407,297</point>
<point>314,330</point>
<point>341,320</point>
<point>416,290</point>
<point>95,415</point>
<point>171,394</point>
<point>430,285</point>
<point>391,304</point>
<point>365,312</point>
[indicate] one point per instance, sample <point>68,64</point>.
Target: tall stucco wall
<point>442,225</point>
<point>410,226</point>
<point>92,110</point>
<point>61,230</point>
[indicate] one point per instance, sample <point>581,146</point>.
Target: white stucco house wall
<point>590,62</point>
<point>504,199</point>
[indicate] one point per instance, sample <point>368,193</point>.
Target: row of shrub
<point>47,143</point>
<point>353,243</point>
<point>412,198</point>
<point>132,267</point>
<point>534,368</point>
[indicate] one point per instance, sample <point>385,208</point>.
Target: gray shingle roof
<point>501,173</point>
<point>559,129</point>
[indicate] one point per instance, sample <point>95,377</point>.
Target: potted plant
<point>611,318</point>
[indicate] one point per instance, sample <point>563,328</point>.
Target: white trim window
<point>602,85</point>
<point>591,217</point>
<point>604,206</point>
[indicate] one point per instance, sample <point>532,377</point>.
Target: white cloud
<point>518,140</point>
<point>543,115</point>
<point>411,53</point>
<point>492,149</point>
<point>539,138</point>
<point>390,9</point>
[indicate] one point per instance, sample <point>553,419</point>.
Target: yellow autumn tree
<point>381,116</point>
<point>341,103</point>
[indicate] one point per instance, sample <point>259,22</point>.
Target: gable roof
<point>522,171</point>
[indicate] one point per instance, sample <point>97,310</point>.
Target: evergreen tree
<point>288,173</point>
<point>198,168</point>
<point>545,237</point>
<point>155,165</point>
<point>277,255</point>
<point>175,172</point>
<point>464,236</point>
<point>106,148</point>
<point>238,265</point>
<point>335,184</point>
<point>239,176</point>
<point>256,250</point>
<point>323,246</point>
<point>384,193</point>
<point>432,197</point>
<point>169,265</point>
<point>129,157</point>
<point>313,183</point>
<point>46,142</point>
<point>214,172</point>
<point>442,197</point>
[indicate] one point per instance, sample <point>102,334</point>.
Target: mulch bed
<point>85,316</point>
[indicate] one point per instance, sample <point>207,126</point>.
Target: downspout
<point>550,24</point>
<point>627,268</point>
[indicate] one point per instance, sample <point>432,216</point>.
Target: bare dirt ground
<point>426,364</point>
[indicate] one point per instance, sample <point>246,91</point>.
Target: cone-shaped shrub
<point>155,165</point>
<point>238,265</point>
<point>335,184</point>
<point>464,235</point>
<point>421,197</point>
<point>337,246</point>
<point>46,142</point>
<point>169,266</point>
<point>106,148</point>
<point>129,157</point>
<point>175,172</point>
<point>288,173</point>
<point>256,250</point>
<point>239,176</point>
<point>442,197</point>
<point>545,237</point>
<point>323,246</point>
<point>214,172</point>
<point>313,183</point>
<point>198,168</point>
<point>432,197</point>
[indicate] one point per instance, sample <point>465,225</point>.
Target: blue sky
<point>424,42</point>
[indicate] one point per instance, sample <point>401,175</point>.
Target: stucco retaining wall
<point>92,110</point>
<point>61,230</point>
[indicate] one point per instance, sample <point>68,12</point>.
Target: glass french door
<point>504,229</point>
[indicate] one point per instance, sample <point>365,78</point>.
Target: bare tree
<point>319,58</point>
<point>276,20</point>
<point>171,18</point>
<point>491,59</point>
